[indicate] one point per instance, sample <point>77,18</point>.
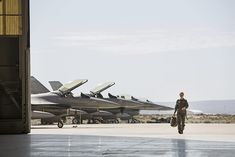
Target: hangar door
<point>14,66</point>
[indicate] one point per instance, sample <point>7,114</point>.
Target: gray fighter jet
<point>96,92</point>
<point>128,107</point>
<point>127,112</point>
<point>92,113</point>
<point>62,100</point>
<point>124,104</point>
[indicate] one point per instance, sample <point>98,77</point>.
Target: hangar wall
<point>14,66</point>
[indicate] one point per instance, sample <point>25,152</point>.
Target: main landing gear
<point>60,124</point>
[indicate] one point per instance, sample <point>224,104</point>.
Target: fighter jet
<point>62,100</point>
<point>118,112</point>
<point>124,103</point>
<point>128,107</point>
<point>96,92</point>
<point>134,105</point>
<point>93,115</point>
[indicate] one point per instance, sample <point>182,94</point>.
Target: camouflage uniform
<point>181,114</point>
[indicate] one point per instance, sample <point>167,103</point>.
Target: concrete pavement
<point>118,140</point>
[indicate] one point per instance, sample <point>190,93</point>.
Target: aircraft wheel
<point>89,121</point>
<point>75,121</point>
<point>116,121</point>
<point>60,124</point>
<point>133,121</point>
<point>64,120</point>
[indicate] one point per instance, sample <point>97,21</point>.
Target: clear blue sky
<point>150,48</point>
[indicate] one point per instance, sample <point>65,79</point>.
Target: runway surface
<point>122,140</point>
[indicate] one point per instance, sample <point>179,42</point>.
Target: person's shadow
<point>180,147</point>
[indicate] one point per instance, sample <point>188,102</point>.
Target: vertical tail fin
<point>55,85</point>
<point>37,87</point>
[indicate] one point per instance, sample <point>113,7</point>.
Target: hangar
<point>14,66</point>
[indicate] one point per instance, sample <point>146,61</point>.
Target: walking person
<point>180,108</point>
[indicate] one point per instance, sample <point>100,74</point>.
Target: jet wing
<point>42,101</point>
<point>100,88</point>
<point>68,87</point>
<point>73,112</point>
<point>101,113</point>
<point>122,115</point>
<point>41,114</point>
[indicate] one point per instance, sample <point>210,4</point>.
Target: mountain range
<point>209,106</point>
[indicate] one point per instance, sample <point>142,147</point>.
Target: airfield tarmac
<point>122,140</point>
